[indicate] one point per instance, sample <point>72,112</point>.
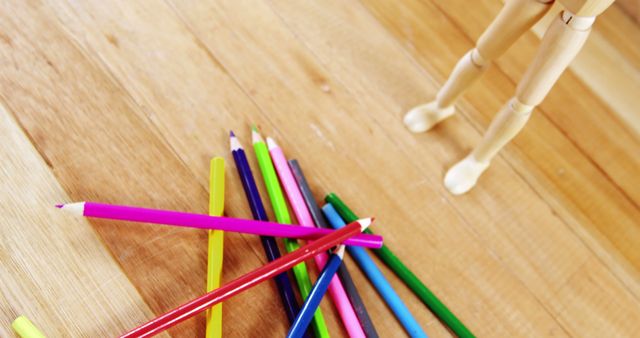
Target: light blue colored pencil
<point>376,278</point>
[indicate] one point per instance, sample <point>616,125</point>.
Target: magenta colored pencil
<point>183,219</point>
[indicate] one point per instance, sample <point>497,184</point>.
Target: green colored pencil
<point>408,277</point>
<point>282,216</point>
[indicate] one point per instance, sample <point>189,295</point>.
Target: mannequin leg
<point>560,44</point>
<point>515,18</point>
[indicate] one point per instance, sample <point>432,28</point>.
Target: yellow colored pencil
<point>25,328</point>
<point>216,245</point>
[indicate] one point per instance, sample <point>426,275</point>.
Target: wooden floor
<point>125,102</point>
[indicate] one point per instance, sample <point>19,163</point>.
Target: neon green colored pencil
<point>282,216</point>
<point>408,277</point>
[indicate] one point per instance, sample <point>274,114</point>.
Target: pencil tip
<point>254,128</point>
<point>231,134</point>
<point>74,208</point>
<point>271,144</point>
<point>255,135</point>
<point>234,143</point>
<point>365,222</point>
<point>339,251</point>
<point>59,206</point>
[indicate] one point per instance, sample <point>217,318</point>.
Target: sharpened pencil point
<point>271,144</point>
<point>74,208</point>
<point>59,206</point>
<point>254,128</point>
<point>255,136</point>
<point>234,143</point>
<point>339,251</point>
<point>231,134</point>
<point>365,222</point>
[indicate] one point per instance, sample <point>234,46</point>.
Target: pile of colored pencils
<point>327,236</point>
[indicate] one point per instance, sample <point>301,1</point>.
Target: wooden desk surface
<point>126,101</point>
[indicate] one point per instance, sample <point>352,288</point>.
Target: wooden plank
<point>54,268</point>
<point>133,72</point>
<point>609,64</point>
<point>587,121</point>
<point>193,103</point>
<point>365,71</point>
<point>587,131</point>
<point>618,30</point>
<point>631,8</point>
<point>151,83</point>
<point>285,70</point>
<point>103,146</point>
<point>269,45</point>
<point>567,179</point>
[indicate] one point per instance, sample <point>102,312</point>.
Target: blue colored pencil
<point>343,273</point>
<point>318,290</point>
<point>378,280</point>
<point>257,209</point>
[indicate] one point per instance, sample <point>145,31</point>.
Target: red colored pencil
<point>247,281</point>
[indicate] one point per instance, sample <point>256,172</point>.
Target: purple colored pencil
<point>269,243</point>
<point>183,219</point>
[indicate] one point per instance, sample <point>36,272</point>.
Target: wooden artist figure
<point>561,43</point>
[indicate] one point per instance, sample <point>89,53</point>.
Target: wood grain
<point>631,8</point>
<point>561,169</point>
<point>55,270</point>
<point>126,101</point>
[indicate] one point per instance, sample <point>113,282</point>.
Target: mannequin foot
<point>464,175</point>
<point>424,117</point>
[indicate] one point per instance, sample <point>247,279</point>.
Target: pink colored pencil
<point>336,290</point>
<point>183,219</point>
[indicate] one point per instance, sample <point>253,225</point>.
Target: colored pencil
<point>336,290</point>
<point>343,273</point>
<point>25,328</point>
<point>318,290</point>
<point>257,210</point>
<point>279,206</point>
<point>408,277</point>
<point>376,277</point>
<point>247,281</point>
<point>216,245</point>
<point>183,219</point>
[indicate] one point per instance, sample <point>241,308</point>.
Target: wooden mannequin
<point>560,44</point>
